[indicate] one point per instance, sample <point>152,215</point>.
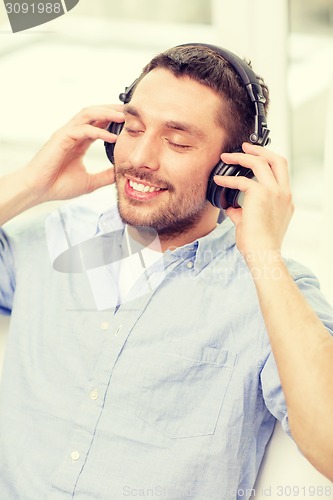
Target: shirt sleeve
<point>7,274</point>
<point>270,381</point>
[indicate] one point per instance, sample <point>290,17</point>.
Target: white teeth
<point>144,188</point>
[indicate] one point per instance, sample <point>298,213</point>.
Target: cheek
<point>213,156</point>
<point>204,167</point>
<point>194,183</point>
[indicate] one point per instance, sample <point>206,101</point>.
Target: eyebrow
<point>170,124</point>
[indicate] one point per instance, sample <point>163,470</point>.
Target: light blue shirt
<point>172,394</point>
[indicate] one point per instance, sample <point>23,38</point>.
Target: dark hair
<point>211,69</point>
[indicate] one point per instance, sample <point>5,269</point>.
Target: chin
<point>134,215</point>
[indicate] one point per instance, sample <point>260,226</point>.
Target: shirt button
<point>104,225</point>
<point>93,394</point>
<point>75,455</point>
<point>105,325</point>
<point>190,264</point>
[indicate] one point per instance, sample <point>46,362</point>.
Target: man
<point>112,389</point>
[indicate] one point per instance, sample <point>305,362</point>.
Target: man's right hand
<point>57,171</point>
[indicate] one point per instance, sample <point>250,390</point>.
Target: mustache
<point>143,176</point>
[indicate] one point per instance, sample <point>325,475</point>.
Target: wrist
<point>17,195</point>
<point>265,264</point>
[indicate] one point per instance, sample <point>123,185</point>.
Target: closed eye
<point>178,146</point>
<point>131,131</point>
<point>135,132</point>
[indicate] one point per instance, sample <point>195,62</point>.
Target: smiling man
<point>119,389</point>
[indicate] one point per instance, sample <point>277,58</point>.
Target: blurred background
<point>87,56</point>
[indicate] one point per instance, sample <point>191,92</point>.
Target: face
<point>164,155</point>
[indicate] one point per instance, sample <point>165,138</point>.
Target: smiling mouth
<point>143,188</point>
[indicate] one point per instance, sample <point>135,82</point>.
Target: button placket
<point>117,331</point>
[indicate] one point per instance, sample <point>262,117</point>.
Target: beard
<point>176,215</point>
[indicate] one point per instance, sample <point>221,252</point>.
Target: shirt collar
<point>205,249</point>
<point>217,242</point>
<point>200,251</point>
<point>109,221</point>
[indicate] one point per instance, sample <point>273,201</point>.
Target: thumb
<point>101,179</point>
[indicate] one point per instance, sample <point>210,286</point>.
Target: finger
<point>234,182</point>
<point>277,163</point>
<point>241,183</point>
<point>104,114</point>
<point>235,214</point>
<point>101,179</point>
<point>87,132</point>
<point>102,123</point>
<point>75,140</point>
<point>260,167</point>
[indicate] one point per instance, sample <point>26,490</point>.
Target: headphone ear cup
<point>114,128</point>
<point>218,195</point>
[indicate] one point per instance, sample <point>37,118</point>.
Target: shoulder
<point>297,269</point>
<point>72,221</point>
<point>77,222</point>
<point>309,284</point>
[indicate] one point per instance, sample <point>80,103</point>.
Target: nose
<point>145,152</point>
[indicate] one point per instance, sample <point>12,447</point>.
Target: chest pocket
<point>182,397</point>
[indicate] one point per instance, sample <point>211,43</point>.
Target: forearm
<point>16,195</point>
<point>303,350</point>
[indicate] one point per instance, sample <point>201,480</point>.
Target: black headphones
<point>219,196</point>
